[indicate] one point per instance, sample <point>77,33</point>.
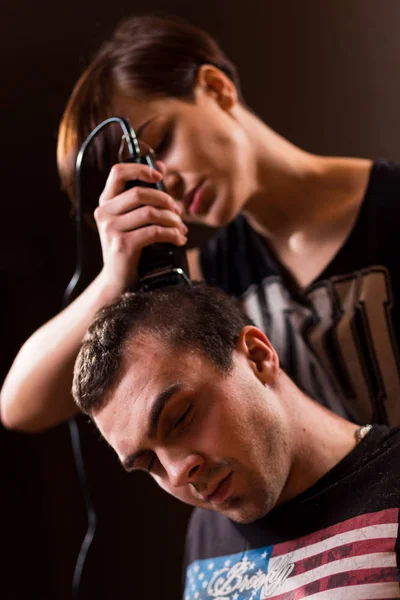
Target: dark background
<point>324,74</point>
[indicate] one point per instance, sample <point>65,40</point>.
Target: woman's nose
<point>174,184</point>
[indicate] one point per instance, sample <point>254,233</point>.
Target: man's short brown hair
<point>194,317</point>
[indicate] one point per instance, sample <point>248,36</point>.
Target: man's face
<point>211,439</point>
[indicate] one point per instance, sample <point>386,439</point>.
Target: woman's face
<point>205,151</point>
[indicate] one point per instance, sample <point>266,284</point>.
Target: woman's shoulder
<point>384,179</point>
<point>381,200</point>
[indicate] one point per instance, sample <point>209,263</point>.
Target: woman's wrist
<point>108,287</point>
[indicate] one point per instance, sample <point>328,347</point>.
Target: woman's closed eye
<point>161,148</point>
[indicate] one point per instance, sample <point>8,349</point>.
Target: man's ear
<point>214,82</point>
<point>261,355</point>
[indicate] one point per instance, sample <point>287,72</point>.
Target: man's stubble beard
<point>274,475</point>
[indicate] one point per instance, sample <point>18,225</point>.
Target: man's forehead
<point>141,350</point>
<point>148,367</point>
<point>124,416</point>
<point>143,367</point>
<point>149,357</point>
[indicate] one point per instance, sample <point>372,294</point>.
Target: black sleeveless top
<point>338,337</point>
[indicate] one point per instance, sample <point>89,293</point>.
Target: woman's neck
<point>295,190</point>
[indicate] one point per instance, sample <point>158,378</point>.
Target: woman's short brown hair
<point>147,55</point>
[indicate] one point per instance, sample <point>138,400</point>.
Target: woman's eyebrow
<point>140,129</point>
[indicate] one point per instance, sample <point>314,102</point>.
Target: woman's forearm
<point>36,392</point>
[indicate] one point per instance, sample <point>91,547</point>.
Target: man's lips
<point>221,490</point>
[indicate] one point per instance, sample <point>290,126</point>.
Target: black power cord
<point>160,265</point>
<point>69,295</point>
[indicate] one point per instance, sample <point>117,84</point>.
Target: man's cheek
<point>183,494</point>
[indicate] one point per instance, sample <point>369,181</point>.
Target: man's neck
<point>321,440</point>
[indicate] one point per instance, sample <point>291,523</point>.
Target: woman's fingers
<point>121,173</point>
<point>154,234</point>
<point>128,220</point>
<point>139,196</point>
<point>149,215</point>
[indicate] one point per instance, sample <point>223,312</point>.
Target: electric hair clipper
<point>160,264</point>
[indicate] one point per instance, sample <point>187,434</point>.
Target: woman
<point>305,241</point>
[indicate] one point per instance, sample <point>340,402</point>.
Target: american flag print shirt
<point>352,560</point>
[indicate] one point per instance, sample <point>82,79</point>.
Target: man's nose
<point>183,469</point>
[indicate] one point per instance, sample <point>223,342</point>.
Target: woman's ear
<point>212,81</point>
<point>260,354</point>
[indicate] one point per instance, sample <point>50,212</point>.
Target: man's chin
<point>243,514</point>
<point>242,518</point>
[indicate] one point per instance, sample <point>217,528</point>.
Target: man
<point>302,502</point>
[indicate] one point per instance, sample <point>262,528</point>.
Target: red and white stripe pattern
<point>355,559</point>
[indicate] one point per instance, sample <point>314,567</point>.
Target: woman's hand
<point>129,220</point>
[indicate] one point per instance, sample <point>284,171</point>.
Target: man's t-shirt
<point>337,540</point>
<point>339,337</point>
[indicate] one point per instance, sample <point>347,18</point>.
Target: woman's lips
<point>193,200</point>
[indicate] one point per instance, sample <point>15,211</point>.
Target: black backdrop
<point>324,74</point>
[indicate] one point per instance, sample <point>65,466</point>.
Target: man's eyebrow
<point>155,413</point>
<point>129,461</point>
<point>158,406</point>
